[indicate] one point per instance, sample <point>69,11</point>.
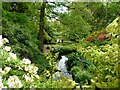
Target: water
<point>62,67</point>
<point>61,64</point>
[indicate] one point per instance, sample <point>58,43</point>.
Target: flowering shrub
<point>102,37</point>
<point>16,73</point>
<point>14,81</point>
<point>105,60</point>
<point>89,39</point>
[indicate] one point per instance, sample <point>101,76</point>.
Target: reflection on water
<point>62,67</point>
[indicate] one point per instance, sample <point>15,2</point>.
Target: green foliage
<point>61,83</point>
<point>52,59</point>
<point>92,64</point>
<point>77,21</point>
<point>75,59</point>
<point>81,76</point>
<point>15,17</point>
<point>77,65</point>
<point>47,37</point>
<point>103,13</point>
<point>17,73</point>
<point>105,59</point>
<point>22,32</point>
<point>96,64</point>
<point>84,43</point>
<point>66,49</point>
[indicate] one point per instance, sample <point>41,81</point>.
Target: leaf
<point>98,85</point>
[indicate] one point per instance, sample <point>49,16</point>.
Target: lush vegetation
<point>17,73</point>
<point>35,35</point>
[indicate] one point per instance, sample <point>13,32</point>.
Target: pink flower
<point>102,37</point>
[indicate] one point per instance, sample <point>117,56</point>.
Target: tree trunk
<point>41,26</point>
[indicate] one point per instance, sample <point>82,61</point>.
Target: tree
<point>21,27</point>
<point>41,27</point>
<point>77,20</point>
<point>104,13</point>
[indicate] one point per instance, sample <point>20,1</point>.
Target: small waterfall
<point>61,64</point>
<point>62,67</point>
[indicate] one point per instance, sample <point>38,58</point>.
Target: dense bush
<point>76,59</point>
<point>17,73</point>
<point>22,35</point>
<point>78,66</point>
<point>105,59</point>
<point>63,50</point>
<point>81,76</point>
<point>95,64</point>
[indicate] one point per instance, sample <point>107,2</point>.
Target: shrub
<point>105,60</point>
<point>17,73</point>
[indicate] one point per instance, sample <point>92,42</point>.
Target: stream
<point>61,66</point>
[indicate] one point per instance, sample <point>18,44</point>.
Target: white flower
<point>8,59</point>
<point>36,76</point>
<point>1,43</point>
<point>27,78</point>
<point>0,36</point>
<point>12,55</point>
<point>35,69</point>
<point>31,69</point>
<point>1,85</point>
<point>1,71</point>
<point>19,68</point>
<point>0,78</point>
<point>7,48</point>
<point>5,40</point>
<point>26,61</point>
<point>7,69</point>
<point>14,82</point>
<point>28,68</point>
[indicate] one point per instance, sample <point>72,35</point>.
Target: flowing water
<point>62,67</point>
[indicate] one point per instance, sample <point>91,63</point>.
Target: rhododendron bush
<point>105,59</point>
<point>16,73</point>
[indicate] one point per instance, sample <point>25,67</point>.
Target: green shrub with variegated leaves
<point>105,59</point>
